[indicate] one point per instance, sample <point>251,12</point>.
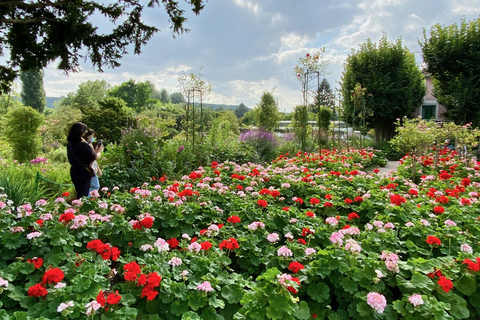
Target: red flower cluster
<point>314,201</point>
<point>295,267</point>
<point>397,200</point>
<point>146,223</point>
<point>358,199</point>
<point>352,216</point>
<point>236,176</point>
<point>194,175</point>
<point>66,217</point>
<point>291,288</point>
<point>445,283</point>
<point>112,298</point>
<point>234,219</point>
<point>444,175</point>
<point>262,203</point>
<point>348,201</point>
<point>229,244</point>
<point>149,283</point>
<point>310,214</point>
<point>466,182</point>
<point>474,266</point>
<point>438,210</point>
<point>37,262</point>
<point>299,200</point>
<point>442,199</point>
<point>328,204</point>
<point>104,249</point>
<point>206,245</point>
<point>173,243</point>
<point>53,276</point>
<point>131,271</point>
<point>433,240</point>
<point>413,192</point>
<point>37,290</point>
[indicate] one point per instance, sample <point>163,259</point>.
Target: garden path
<point>391,165</point>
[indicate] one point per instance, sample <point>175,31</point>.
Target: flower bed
<point>310,236</point>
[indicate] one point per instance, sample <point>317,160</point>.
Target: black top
<point>80,154</point>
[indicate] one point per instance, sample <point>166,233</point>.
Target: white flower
<point>92,307</point>
<point>175,262</point>
<point>64,306</point>
<point>466,248</point>
<point>33,235</point>
<point>162,245</point>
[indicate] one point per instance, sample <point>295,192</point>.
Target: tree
<point>88,96</point>
<point>267,114</point>
<point>324,96</point>
<point>36,33</point>
<point>137,95</point>
<point>452,58</point>
<point>113,117</point>
<point>394,84</point>
<point>33,93</point>
<point>21,130</point>
<point>177,97</point>
<point>240,110</point>
<point>164,97</point>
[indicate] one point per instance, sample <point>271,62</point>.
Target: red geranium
<point>131,271</point>
<point>348,201</point>
<point>53,276</point>
<point>147,222</point>
<point>295,267</point>
<point>328,204</point>
<point>65,217</point>
<point>433,240</point>
<point>234,219</point>
<point>149,292</point>
<point>397,200</point>
<point>37,290</point>
<point>113,298</point>
<point>472,265</point>
<point>310,214</point>
<point>262,203</point>
<point>314,201</point>
<point>438,210</point>
<point>229,244</point>
<point>353,215</point>
<point>446,284</point>
<point>37,262</point>
<point>206,245</point>
<point>173,243</point>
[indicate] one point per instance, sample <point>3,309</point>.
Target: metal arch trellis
<point>190,112</point>
<point>308,81</point>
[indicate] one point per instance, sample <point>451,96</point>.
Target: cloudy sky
<point>246,47</point>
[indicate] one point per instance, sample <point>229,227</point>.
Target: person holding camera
<point>94,183</point>
<point>80,155</point>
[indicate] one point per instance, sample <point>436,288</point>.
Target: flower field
<point>309,236</point>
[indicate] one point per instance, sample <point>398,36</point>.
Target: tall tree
<point>452,57</point>
<point>36,33</point>
<point>324,96</point>
<point>177,97</point>
<point>240,110</point>
<point>394,85</point>
<point>137,95</point>
<point>165,97</point>
<point>33,93</point>
<point>88,95</point>
<point>267,112</point>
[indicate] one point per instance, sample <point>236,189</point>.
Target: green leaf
<point>349,285</point>
<point>303,312</point>
<point>17,294</point>
<point>466,285</point>
<point>178,308</point>
<point>216,303</point>
<point>197,300</point>
<point>319,292</point>
<point>364,309</point>
<point>421,281</point>
<point>190,315</point>
<point>232,293</point>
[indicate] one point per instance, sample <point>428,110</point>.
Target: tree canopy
<point>452,57</point>
<point>35,33</point>
<point>137,95</point>
<point>266,112</point>
<point>33,93</point>
<point>394,85</point>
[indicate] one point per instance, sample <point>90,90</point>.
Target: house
<point>430,108</point>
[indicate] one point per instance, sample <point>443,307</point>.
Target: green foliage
<point>249,118</point>
<point>54,129</point>
<point>137,95</point>
<point>88,96</point>
<point>110,120</point>
<point>177,97</point>
<point>33,93</point>
<point>394,84</point>
<point>164,97</point>
<point>20,128</point>
<point>71,33</point>
<point>241,110</point>
<point>451,54</point>
<point>266,112</point>
<point>324,96</point>
<point>227,121</point>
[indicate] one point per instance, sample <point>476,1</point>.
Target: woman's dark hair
<point>76,132</point>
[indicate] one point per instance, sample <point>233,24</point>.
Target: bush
<point>264,142</point>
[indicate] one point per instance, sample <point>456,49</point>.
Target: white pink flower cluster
<point>162,245</point>
<point>391,261</point>
<point>256,225</point>
<point>377,301</point>
<point>205,286</point>
<point>415,299</point>
<point>352,246</point>
<point>284,252</point>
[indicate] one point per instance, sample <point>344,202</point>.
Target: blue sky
<point>246,47</point>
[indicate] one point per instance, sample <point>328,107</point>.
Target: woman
<point>94,183</point>
<point>80,155</point>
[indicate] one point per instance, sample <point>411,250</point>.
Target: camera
<point>99,142</point>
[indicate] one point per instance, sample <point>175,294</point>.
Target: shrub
<point>263,141</point>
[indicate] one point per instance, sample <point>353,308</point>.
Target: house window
<point>429,112</point>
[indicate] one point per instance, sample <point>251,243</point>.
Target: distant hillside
<point>216,106</point>
<point>51,100</point>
